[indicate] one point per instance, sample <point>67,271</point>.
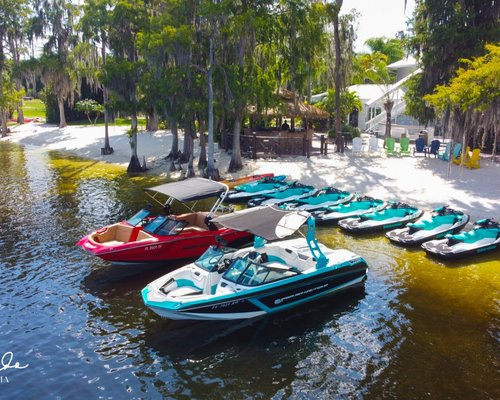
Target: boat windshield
<point>211,257</point>
<point>164,226</point>
<point>139,216</point>
<point>248,273</point>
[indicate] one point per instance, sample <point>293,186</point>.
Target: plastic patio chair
<point>466,156</point>
<point>434,149</point>
<point>455,153</point>
<point>373,146</point>
<point>419,146</point>
<point>445,155</point>
<point>404,146</point>
<point>474,161</point>
<point>357,145</point>
<point>390,145</point>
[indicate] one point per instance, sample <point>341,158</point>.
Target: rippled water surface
<point>418,329</point>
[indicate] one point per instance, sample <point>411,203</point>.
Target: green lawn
<point>36,108</point>
<point>33,108</point>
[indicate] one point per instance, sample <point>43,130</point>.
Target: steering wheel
<point>223,265</point>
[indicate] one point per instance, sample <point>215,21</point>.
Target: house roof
<point>368,92</point>
<point>407,62</point>
<point>292,107</point>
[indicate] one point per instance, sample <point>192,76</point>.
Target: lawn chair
<point>459,160</point>
<point>434,149</point>
<point>373,146</point>
<point>404,146</point>
<point>445,155</point>
<point>455,154</point>
<point>390,145</point>
<point>357,145</point>
<point>474,161</point>
<point>419,146</point>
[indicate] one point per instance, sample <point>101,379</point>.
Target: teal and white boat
<point>283,195</point>
<point>395,215</point>
<point>437,225</point>
<point>359,206</point>
<point>323,198</point>
<point>271,276</point>
<point>483,237</point>
<point>246,191</point>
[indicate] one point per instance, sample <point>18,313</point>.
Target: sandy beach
<point>421,181</point>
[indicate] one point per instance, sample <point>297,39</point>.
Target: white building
<point>373,116</point>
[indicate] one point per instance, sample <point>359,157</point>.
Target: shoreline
<point>421,181</point>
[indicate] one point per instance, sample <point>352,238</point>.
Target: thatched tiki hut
<point>283,139</point>
<point>291,107</point>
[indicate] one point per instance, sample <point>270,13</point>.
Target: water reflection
<point>419,327</point>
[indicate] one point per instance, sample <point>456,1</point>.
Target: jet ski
<point>325,197</point>
<point>286,194</point>
<point>484,236</point>
<point>395,215</point>
<point>245,192</point>
<point>442,221</point>
<point>360,205</point>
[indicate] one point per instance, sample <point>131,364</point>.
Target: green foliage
<point>391,48</point>
<point>347,130</point>
<point>416,106</point>
<point>445,32</point>
<point>372,68</point>
<point>349,102</point>
<point>475,86</point>
<point>90,107</point>
<point>9,95</point>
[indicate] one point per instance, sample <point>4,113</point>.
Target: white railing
<point>397,109</point>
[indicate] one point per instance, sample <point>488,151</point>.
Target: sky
<point>379,18</point>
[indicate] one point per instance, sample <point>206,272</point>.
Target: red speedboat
<point>143,238</point>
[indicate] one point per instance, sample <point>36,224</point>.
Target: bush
<point>347,130</point>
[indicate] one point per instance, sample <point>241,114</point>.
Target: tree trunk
<point>107,149</point>
<point>388,104</point>
<point>32,83</point>
<point>4,117</point>
<point>236,162</point>
<point>186,148</point>
<point>62,116</point>
<point>309,82</point>
<point>20,112</point>
<point>172,122</point>
<point>338,125</point>
<point>134,164</point>
<point>153,121</point>
<point>188,137</point>
<point>202,159</point>
<point>211,171</point>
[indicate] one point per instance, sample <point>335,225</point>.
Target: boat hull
<point>403,238</point>
<point>326,218</point>
<point>163,248</point>
<point>436,249</point>
<point>353,226</point>
<point>273,298</point>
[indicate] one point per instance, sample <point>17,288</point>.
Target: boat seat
<point>185,291</point>
<point>194,220</point>
<point>193,229</point>
<point>112,243</point>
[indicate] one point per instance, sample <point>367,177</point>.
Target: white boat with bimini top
<point>227,284</point>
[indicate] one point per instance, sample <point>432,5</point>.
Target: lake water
<point>418,328</point>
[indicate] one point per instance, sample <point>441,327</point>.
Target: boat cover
<point>268,222</point>
<point>189,189</point>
